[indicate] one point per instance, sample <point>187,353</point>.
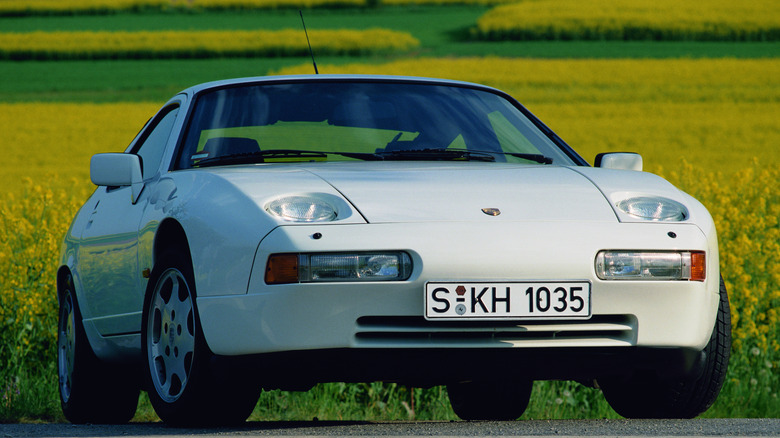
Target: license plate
<point>507,300</point>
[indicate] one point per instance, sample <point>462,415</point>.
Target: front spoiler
<point>300,370</point>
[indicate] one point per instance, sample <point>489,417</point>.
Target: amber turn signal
<point>698,266</point>
<point>281,269</point>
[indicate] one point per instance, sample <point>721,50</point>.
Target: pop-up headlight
<point>302,209</point>
<point>653,208</point>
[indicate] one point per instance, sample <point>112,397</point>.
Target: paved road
<point>602,428</point>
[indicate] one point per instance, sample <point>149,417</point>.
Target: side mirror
<point>116,169</point>
<point>619,160</point>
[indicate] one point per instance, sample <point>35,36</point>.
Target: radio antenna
<point>309,43</point>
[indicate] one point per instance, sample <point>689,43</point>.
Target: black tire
<point>653,397</point>
<point>91,391</point>
<point>183,388</point>
<point>496,401</point>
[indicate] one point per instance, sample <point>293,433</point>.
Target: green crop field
<point>703,114</point>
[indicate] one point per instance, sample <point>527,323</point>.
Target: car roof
<point>331,78</point>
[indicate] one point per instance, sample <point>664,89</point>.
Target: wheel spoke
<point>177,374</point>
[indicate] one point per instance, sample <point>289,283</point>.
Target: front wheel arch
<point>201,396</point>
<point>170,237</point>
<point>64,277</point>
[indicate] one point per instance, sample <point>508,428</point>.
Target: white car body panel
<point>389,192</point>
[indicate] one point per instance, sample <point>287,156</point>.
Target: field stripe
<point>657,20</point>
<point>198,44</point>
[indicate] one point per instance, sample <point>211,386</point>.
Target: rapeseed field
<point>703,20</point>
<point>198,44</point>
<point>67,7</point>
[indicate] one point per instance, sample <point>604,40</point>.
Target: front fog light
<point>648,265</point>
<point>329,267</point>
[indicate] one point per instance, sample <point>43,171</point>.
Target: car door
<point>108,254</point>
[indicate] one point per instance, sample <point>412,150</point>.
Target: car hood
<point>418,192</point>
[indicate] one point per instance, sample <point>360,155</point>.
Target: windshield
<point>339,121</point>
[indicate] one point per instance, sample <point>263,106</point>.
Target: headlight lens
<point>329,267</point>
<point>653,208</point>
<point>301,209</point>
<point>648,265</point>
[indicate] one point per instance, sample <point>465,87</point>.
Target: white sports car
<point>277,232</point>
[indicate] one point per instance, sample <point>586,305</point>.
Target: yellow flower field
<point>443,2</point>
<point>709,126</point>
<point>46,167</point>
<point>196,44</point>
<point>713,20</point>
<point>32,7</point>
<point>43,141</point>
<point>40,7</point>
<point>22,7</point>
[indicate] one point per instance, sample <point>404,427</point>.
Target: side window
<point>152,147</point>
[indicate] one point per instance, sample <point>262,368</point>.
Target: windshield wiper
<point>428,154</point>
<point>271,154</point>
<point>436,155</point>
<point>458,154</point>
<point>539,158</point>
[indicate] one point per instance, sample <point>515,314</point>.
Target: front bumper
<point>389,315</point>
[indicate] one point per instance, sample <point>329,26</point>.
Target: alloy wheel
<point>171,335</point>
<point>66,346</point>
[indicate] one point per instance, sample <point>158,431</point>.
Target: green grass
<point>122,81</point>
<point>29,397</point>
<point>36,399</point>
